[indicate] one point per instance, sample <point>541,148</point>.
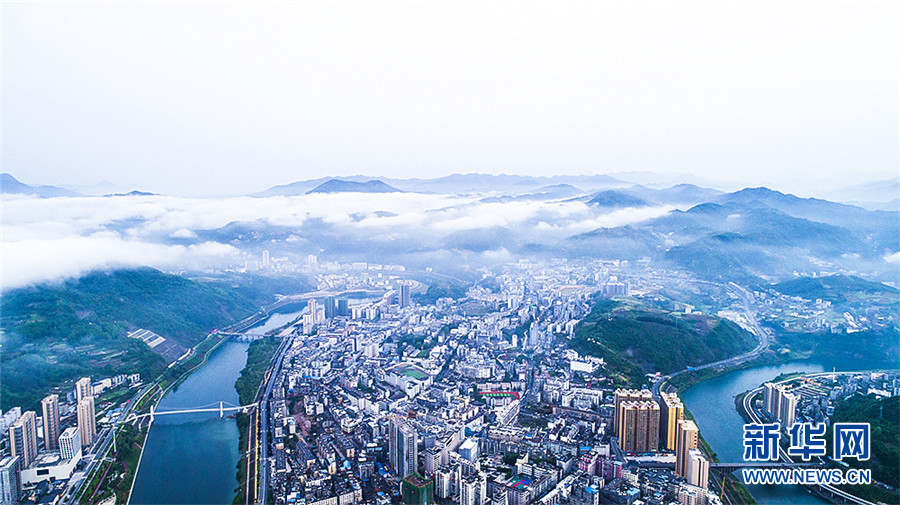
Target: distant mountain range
<point>9,184</point>
<point>339,186</point>
<point>466,183</point>
<point>755,235</point>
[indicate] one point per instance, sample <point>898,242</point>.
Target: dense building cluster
<point>42,455</point>
<point>477,402</point>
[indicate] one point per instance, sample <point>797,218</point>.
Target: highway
<point>261,451</point>
<point>761,334</point>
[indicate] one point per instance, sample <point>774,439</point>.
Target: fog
<point>48,239</point>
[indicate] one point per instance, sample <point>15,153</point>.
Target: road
<point>261,442</point>
<point>102,445</point>
<point>761,334</point>
<point>783,456</point>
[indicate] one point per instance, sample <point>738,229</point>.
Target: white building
<point>70,444</point>
<point>10,483</point>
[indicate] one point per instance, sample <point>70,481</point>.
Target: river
<point>712,404</point>
<point>192,458</point>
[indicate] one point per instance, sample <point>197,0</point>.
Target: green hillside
<point>883,415</point>
<point>837,289</point>
<point>441,289</point>
<point>882,344</point>
<point>54,334</point>
<point>635,339</point>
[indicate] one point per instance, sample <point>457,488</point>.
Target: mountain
<point>553,192</point>
<point>836,288</point>
<point>870,195</point>
<point>301,187</point>
<point>482,239</point>
<point>464,183</point>
<point>342,186</point>
<point>682,193</point>
<point>879,228</point>
<point>636,339</point>
<point>132,193</point>
<point>58,332</point>
<point>9,184</point>
<point>616,199</point>
<point>622,242</point>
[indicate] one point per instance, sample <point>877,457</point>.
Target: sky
<point>226,98</point>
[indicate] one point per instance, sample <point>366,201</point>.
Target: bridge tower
<point>221,411</point>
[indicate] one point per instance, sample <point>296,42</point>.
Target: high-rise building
<point>10,481</point>
<point>70,443</point>
<point>697,473</point>
<point>23,439</point>
<point>87,421</point>
<point>780,403</point>
<point>788,409</point>
<point>446,480</point>
<point>265,258</point>
<point>686,438</point>
<point>417,490</point>
<point>473,489</point>
<point>9,417</point>
<point>50,413</point>
<point>671,410</point>
<point>312,309</point>
<point>83,389</point>
<point>312,262</point>
<point>343,307</point>
<point>403,448</point>
<point>640,427</point>
<point>770,399</point>
<point>330,307</point>
<point>624,396</point>
<point>404,295</point>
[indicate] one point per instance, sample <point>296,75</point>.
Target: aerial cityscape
<point>597,255</point>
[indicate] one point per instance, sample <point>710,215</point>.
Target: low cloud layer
<point>58,238</point>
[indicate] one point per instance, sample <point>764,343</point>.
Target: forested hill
<point>636,339</point>
<point>55,333</point>
<point>838,289</point>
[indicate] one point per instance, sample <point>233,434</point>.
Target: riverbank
<point>200,444</point>
<point>259,357</point>
<point>734,490</point>
<point>721,425</point>
<point>116,477</point>
<point>885,457</point>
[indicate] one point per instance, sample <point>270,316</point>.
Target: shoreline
<point>165,392</point>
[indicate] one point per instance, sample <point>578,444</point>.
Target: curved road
<point>783,456</point>
<point>746,298</point>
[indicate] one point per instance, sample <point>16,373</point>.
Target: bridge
<point>246,337</point>
<point>221,409</point>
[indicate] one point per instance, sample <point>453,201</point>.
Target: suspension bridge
<point>221,408</point>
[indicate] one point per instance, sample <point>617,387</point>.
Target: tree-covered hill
<point>883,416</point>
<point>836,288</point>
<point>635,340</point>
<point>55,333</point>
<point>106,302</point>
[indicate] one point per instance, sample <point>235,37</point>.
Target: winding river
<point>712,404</point>
<point>192,458</point>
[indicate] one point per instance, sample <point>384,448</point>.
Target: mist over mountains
<point>451,223</point>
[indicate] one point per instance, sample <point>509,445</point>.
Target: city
<point>385,396</point>
<point>319,252</point>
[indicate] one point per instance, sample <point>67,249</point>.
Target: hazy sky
<point>226,97</point>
